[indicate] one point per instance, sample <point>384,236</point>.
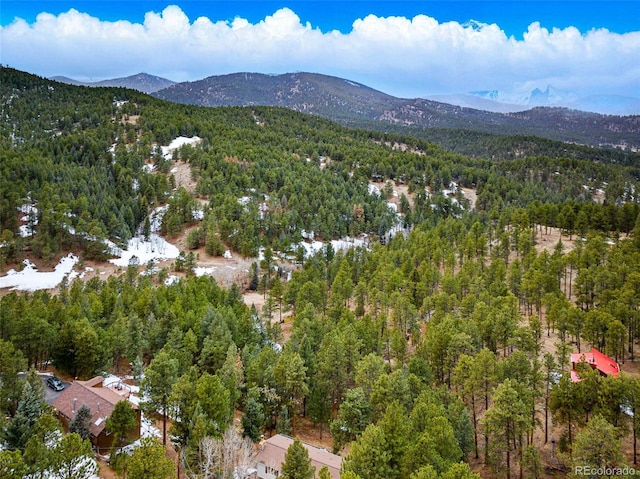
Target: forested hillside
<point>495,146</point>
<point>356,105</point>
<point>438,348</point>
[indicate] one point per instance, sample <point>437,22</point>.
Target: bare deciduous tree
<point>229,457</point>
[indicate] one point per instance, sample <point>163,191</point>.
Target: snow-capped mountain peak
<point>555,97</point>
<point>475,25</point>
<point>550,97</point>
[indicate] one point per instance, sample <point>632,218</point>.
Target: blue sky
<point>406,48</point>
<point>512,16</point>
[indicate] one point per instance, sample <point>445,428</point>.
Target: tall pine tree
<point>297,464</point>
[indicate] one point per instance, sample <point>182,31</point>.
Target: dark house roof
<point>101,400</point>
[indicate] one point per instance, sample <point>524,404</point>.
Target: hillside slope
<point>142,82</point>
<point>356,105</point>
<point>93,163</point>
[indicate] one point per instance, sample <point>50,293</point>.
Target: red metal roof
<point>597,360</point>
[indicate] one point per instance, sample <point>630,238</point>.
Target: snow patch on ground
<point>374,190</point>
<point>30,279</point>
<point>203,271</point>
<point>348,243</point>
<point>167,151</point>
<point>312,247</point>
<point>155,218</point>
<point>75,274</point>
<point>82,466</point>
<point>25,231</point>
<point>30,217</point>
<point>157,248</point>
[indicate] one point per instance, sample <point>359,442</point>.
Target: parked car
<point>55,383</point>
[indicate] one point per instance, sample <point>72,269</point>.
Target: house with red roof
<point>597,360</point>
<point>101,400</point>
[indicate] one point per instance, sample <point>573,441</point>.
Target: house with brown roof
<point>271,452</point>
<point>101,400</point>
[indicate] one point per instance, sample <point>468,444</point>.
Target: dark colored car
<point>55,383</point>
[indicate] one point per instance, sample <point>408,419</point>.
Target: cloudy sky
<point>405,48</point>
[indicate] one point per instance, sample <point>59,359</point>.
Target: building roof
<point>574,376</point>
<point>101,400</point>
<point>273,450</point>
<point>597,360</point>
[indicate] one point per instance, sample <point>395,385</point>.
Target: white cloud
<point>402,56</point>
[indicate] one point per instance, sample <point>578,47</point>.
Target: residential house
<point>271,453</point>
<point>597,360</point>
<point>101,400</point>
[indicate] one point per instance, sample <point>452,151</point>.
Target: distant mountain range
<point>499,101</point>
<point>142,82</point>
<point>356,105</point>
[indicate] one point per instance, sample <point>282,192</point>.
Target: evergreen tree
<point>121,422</point>
<point>81,422</point>
<point>565,404</point>
<point>290,375</point>
<point>632,392</point>
<point>39,448</point>
<point>319,405</point>
<point>349,475</point>
<point>232,374</point>
<point>254,278</point>
<point>369,456</point>
<point>12,465</point>
<point>324,473</point>
<point>425,472</point>
<point>460,470</point>
<point>506,422</point>
<point>31,405</point>
<point>531,462</point>
<point>253,418</point>
<point>11,363</point>
<point>160,376</point>
<point>72,458</point>
<point>397,432</point>
<point>353,418</point>
<point>284,421</point>
<point>597,446</point>
<point>297,464</point>
<point>148,461</point>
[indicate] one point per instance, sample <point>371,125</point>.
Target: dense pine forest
<point>437,349</point>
